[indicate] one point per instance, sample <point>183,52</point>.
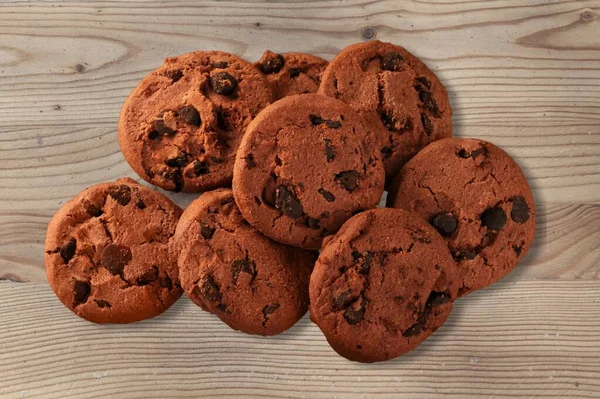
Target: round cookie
<point>382,285</point>
<point>305,165</point>
<point>400,98</point>
<point>291,73</point>
<point>109,253</point>
<point>181,127</point>
<point>478,199</point>
<point>250,282</point>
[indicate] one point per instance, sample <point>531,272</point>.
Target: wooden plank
<point>565,246</point>
<point>524,75</point>
<point>522,339</point>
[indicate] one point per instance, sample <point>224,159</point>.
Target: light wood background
<point>524,74</point>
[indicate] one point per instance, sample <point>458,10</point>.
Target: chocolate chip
<point>427,124</point>
<point>148,277</point>
<point>166,282</point>
<point>219,64</point>
<point>365,265</point>
<point>67,251</point>
<point>178,161</point>
<point>394,124</point>
<point>140,204</point>
<point>190,115</point>
<point>102,304</point>
<point>162,129</point>
<point>424,81</point>
<point>176,177</point>
<point>317,120</point>
<point>465,254</point>
<point>445,223</point>
<point>206,231</point>
<point>250,163</point>
<point>153,135</point>
<point>354,316</point>
<point>272,64</point>
<point>518,249</point>
<point>437,299</point>
<point>115,257</point>
<point>91,209</point>
<point>81,291</point>
<point>329,151</point>
<point>295,72</point>
<point>223,83</point>
<point>520,210</point>
<point>426,97</point>
<point>278,161</point>
<point>174,75</point>
<point>200,168</point>
<point>120,193</point>
<point>227,200</point>
<point>473,154</point>
<point>493,218</point>
<point>313,223</point>
<point>348,179</point>
<point>413,330</point>
<point>392,62</point>
<point>329,197</point>
<point>210,289</point>
<point>287,202</point>
<point>343,300</point>
<point>270,309</point>
<point>243,265</point>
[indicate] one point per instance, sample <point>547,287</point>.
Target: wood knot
<point>368,33</point>
<point>79,68</point>
<point>587,16</point>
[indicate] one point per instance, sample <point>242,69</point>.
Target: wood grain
<point>524,74</point>
<point>520,339</point>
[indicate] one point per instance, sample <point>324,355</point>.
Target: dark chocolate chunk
<point>200,168</point>
<point>329,197</point>
<point>473,154</point>
<point>250,163</point>
<point>120,193</point>
<point>393,123</point>
<point>329,151</point>
<point>140,204</point>
<point>162,129</point>
<point>520,210</point>
<point>424,81</point>
<point>210,289</point>
<point>413,330</point>
<point>295,72</point>
<point>174,75</point>
<point>223,83</point>
<point>272,64</point>
<point>115,257</point>
<point>102,304</point>
<point>81,291</point>
<point>178,161</point>
<point>148,277</point>
<point>190,115</point>
<point>445,223</point>
<point>67,251</point>
<point>91,209</point>
<point>313,223</point>
<point>287,202</point>
<point>343,300</point>
<point>392,62</point>
<point>348,179</point>
<point>219,64</point>
<point>427,124</point>
<point>494,218</point>
<point>166,282</point>
<point>354,316</point>
<point>437,299</point>
<point>206,231</point>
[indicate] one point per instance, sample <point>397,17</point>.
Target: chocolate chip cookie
<point>291,73</point>
<point>252,283</point>
<point>109,253</point>
<point>382,285</point>
<point>477,197</point>
<point>400,98</point>
<point>181,127</point>
<point>305,165</point>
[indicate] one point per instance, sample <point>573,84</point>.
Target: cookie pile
<point>292,155</point>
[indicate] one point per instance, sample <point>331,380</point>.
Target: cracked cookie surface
<point>291,73</point>
<point>109,253</point>
<point>382,285</point>
<point>404,102</point>
<point>228,268</point>
<point>305,165</point>
<point>477,197</point>
<point>181,127</point>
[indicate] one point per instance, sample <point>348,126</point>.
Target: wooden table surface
<point>522,74</point>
